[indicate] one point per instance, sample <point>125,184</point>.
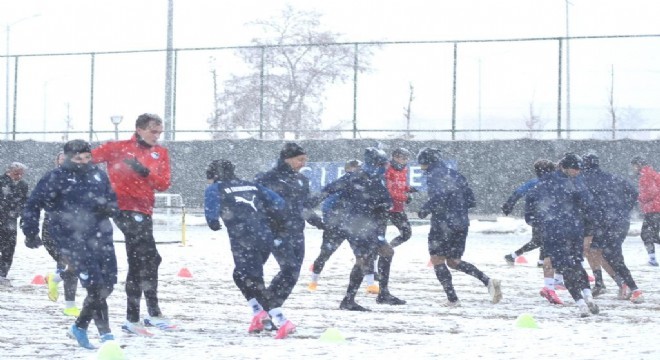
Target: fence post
<point>261,93</point>
<point>559,80</point>
<point>13,132</point>
<point>355,78</point>
<point>91,97</point>
<point>453,95</point>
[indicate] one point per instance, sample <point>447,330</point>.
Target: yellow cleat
<point>53,292</point>
<point>312,286</point>
<point>373,289</point>
<point>72,311</point>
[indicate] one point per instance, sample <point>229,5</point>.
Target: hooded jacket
<point>134,192</point>
<point>649,190</point>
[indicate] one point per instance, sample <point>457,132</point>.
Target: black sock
<point>472,270</point>
<point>598,275</point>
<point>444,275</point>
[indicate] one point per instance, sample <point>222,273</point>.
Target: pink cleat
<point>551,296</point>
<point>260,322</point>
<point>286,329</point>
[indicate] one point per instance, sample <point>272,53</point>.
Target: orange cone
<point>521,260</point>
<point>185,273</point>
<point>591,278</point>
<point>39,280</point>
<point>430,264</point>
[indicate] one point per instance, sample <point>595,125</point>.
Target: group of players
<point>267,216</point>
<point>574,209</point>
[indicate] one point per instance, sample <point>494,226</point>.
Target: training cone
<point>526,321</point>
<point>591,278</point>
<point>185,273</point>
<point>110,350</point>
<point>430,264</point>
<point>39,280</point>
<point>332,335</point>
<point>521,260</point>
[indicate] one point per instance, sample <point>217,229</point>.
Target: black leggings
<point>95,307</point>
<point>535,242</point>
<point>651,231</point>
<point>7,248</point>
<point>401,222</point>
<point>69,278</point>
<point>143,263</point>
<point>576,280</point>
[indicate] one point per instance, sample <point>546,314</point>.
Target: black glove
<point>215,225</point>
<point>137,167</point>
<point>422,214</point>
<point>409,199</point>
<point>507,208</point>
<point>33,241</point>
<point>412,190</point>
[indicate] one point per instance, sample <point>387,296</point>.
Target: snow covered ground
<point>214,317</point>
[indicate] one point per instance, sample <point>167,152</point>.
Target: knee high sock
<point>472,270</point>
<point>354,282</point>
<point>444,276</point>
<point>384,264</point>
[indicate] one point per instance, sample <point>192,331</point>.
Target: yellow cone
<point>110,350</point>
<point>332,335</point>
<point>526,321</point>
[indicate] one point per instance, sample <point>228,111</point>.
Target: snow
<point>214,317</point>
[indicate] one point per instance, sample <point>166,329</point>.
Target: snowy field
<point>214,317</point>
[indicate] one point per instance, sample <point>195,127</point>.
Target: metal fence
<point>602,87</point>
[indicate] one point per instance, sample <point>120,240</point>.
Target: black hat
<point>571,161</point>
<point>374,156</point>
<point>220,170</point>
<point>291,150</point>
<point>74,147</point>
<point>353,163</point>
<point>591,161</point>
<point>638,160</point>
<point>428,156</point>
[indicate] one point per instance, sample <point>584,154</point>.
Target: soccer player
<point>649,202</point>
<point>13,193</point>
<point>138,167</point>
<point>396,179</point>
<point>79,200</point>
<point>449,199</point>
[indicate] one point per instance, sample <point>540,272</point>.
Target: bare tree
<point>533,121</point>
<point>291,67</point>
<point>407,111</point>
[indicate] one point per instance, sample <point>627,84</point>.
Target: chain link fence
<point>606,87</point>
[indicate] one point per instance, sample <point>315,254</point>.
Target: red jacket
<point>649,190</point>
<point>134,192</point>
<point>397,185</point>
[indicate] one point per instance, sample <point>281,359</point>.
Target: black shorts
<point>447,242</point>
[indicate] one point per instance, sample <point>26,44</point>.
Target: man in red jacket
<point>396,179</point>
<point>649,202</point>
<point>137,168</point>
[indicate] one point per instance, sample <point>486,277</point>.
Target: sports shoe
<point>624,292</point>
<point>71,311</point>
<point>351,306</point>
<point>591,304</point>
<point>386,298</point>
<point>598,290</point>
<point>495,290</point>
<point>637,297</point>
<point>160,322</point>
<point>261,321</point>
<point>373,289</point>
<point>539,263</point>
<point>312,286</point>
<point>107,337</point>
<point>80,335</point>
<point>584,310</point>
<point>136,328</point>
<point>452,304</point>
<point>53,292</point>
<point>509,259</point>
<point>286,329</point>
<point>551,296</point>
<point>4,281</point>
<point>653,262</point>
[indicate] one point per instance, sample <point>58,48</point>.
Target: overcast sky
<point>86,26</point>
